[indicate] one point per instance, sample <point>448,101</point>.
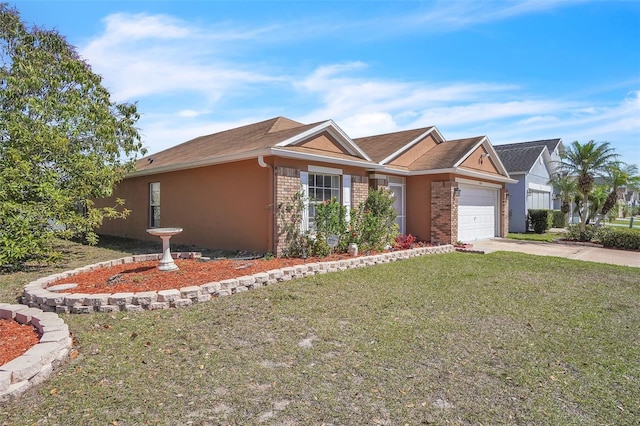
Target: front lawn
<point>624,222</point>
<point>502,338</point>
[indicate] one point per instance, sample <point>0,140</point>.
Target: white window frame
<point>341,191</point>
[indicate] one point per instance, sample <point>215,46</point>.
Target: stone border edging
<point>37,363</point>
<point>36,296</point>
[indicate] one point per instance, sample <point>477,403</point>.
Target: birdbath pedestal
<point>166,263</point>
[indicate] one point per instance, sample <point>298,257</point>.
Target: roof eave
<point>251,155</point>
<point>464,172</point>
<point>284,153</point>
<point>248,155</point>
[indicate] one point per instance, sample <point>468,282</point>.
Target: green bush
<point>559,219</point>
<point>373,223</point>
<point>540,220</point>
<point>623,238</point>
<point>574,233</point>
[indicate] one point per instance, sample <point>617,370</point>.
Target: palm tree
<point>585,162</point>
<point>618,175</point>
<point>565,186</point>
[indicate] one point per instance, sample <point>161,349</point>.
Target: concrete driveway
<point>569,251</point>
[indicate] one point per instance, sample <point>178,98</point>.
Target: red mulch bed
<point>15,339</point>
<point>145,276</point>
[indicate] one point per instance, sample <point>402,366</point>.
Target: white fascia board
<point>468,154</point>
<point>465,172</point>
<point>409,145</point>
<point>324,159</point>
<point>334,130</point>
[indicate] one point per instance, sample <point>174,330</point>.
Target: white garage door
<point>477,213</point>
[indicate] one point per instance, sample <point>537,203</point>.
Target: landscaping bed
<point>198,283</point>
<point>15,339</point>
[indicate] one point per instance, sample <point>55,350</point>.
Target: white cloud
<point>142,55</point>
<point>182,73</point>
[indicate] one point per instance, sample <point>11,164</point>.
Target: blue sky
<point>512,70</point>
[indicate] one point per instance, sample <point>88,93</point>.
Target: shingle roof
<point>280,136</point>
<point>445,155</point>
<point>551,144</point>
<point>379,147</point>
<point>518,158</point>
<point>255,136</point>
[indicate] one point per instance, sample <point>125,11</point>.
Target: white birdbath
<point>166,263</point>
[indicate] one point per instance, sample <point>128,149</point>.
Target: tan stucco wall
<point>418,204</point>
<point>324,143</point>
<point>225,206</point>
<point>476,162</point>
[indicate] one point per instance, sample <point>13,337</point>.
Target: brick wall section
<point>287,183</point>
<point>359,190</point>
<point>504,213</point>
<point>444,213</point>
<point>379,183</point>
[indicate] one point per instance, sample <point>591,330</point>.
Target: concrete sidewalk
<point>569,251</point>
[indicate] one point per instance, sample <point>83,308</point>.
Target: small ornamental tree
<point>63,143</point>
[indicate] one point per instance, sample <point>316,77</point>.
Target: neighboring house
<point>532,164</point>
<point>223,189</point>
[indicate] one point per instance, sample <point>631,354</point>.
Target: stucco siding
<point>478,160</point>
<point>226,206</point>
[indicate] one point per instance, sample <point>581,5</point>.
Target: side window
<point>154,204</point>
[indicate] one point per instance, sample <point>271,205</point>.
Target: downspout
<point>271,240</point>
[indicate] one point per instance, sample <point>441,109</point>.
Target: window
<point>154,204</point>
<point>321,188</point>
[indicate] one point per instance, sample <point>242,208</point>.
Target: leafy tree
<point>585,162</point>
<point>566,187</point>
<point>63,143</point>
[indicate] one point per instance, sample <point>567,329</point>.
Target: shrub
<point>540,220</point>
<point>372,225</point>
<point>374,221</point>
<point>623,238</point>
<point>559,219</point>
<point>404,242</point>
<point>331,220</point>
<point>574,234</point>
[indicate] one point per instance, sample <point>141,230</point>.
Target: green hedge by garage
<point>540,220</point>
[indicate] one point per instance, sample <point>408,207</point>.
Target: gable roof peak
<point>283,123</point>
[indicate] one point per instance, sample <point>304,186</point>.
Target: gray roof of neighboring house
<point>518,158</point>
<point>551,144</point>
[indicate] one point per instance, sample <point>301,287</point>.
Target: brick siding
<point>504,213</point>
<point>444,213</point>
<point>287,183</point>
<point>359,190</point>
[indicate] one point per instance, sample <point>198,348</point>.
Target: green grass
<point>531,236</point>
<point>502,338</point>
<point>625,222</point>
